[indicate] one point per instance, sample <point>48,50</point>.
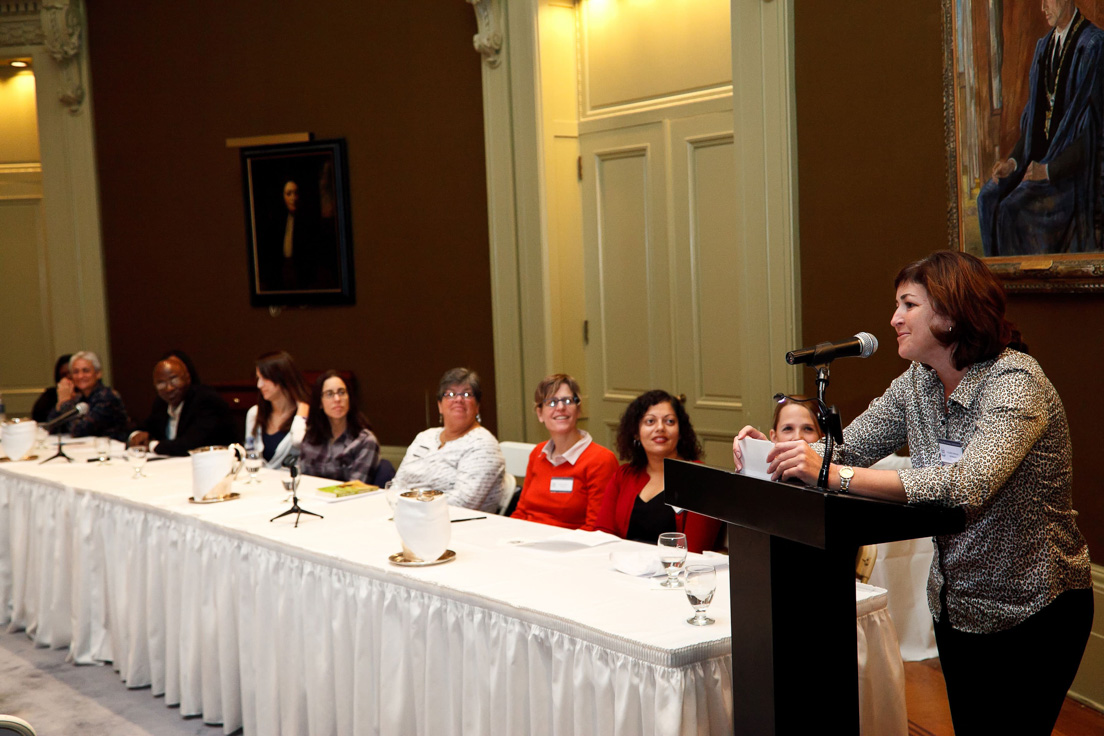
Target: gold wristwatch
<point>846,474</point>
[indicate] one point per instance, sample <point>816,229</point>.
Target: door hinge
<point>580,165</point>
<point>586,332</point>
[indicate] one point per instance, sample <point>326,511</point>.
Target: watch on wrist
<point>846,473</point>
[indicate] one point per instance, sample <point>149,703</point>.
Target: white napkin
<point>639,562</point>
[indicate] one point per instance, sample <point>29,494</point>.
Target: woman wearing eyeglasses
<point>567,474</point>
<point>339,443</point>
<point>460,457</point>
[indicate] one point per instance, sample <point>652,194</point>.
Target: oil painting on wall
<point>1024,100</point>
<point>297,224</point>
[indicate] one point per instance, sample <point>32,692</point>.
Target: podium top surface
<point>811,516</point>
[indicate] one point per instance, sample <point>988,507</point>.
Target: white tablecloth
<point>902,569</point>
<point>285,630</point>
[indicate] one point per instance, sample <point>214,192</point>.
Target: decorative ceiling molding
<point>62,21</point>
<point>57,25</point>
<point>20,24</point>
<point>488,42</point>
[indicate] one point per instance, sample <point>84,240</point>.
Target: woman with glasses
<point>278,421</point>
<point>653,428</point>
<point>460,457</point>
<point>567,474</point>
<point>339,443</point>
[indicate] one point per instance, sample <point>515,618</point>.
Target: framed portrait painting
<point>298,229</point>
<point>1024,112</point>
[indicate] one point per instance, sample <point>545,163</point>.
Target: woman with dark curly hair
<point>654,427</point>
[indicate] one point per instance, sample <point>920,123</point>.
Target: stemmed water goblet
<point>290,483</point>
<point>253,462</point>
<point>700,582</point>
<point>672,555</point>
<point>137,455</point>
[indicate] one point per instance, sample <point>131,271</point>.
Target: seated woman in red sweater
<point>654,427</point>
<point>567,474</point>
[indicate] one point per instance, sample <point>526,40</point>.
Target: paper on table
<point>572,540</point>
<point>645,562</point>
<point>754,453</point>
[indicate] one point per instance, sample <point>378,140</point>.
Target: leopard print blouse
<point>1021,547</point>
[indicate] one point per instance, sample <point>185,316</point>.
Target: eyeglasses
<point>175,382</point>
<point>335,394</point>
<point>562,401</point>
<point>453,395</point>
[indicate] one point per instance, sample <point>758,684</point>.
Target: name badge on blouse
<point>950,452</point>
<point>562,485</point>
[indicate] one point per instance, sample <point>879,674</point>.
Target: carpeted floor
<point>60,699</point>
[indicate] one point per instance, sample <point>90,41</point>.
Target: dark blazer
<point>47,401</point>
<point>204,421</point>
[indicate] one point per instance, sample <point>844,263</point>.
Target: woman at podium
<point>1010,594</point>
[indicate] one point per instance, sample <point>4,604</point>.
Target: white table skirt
<point>289,631</point>
<point>902,569</point>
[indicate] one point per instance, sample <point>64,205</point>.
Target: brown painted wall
<point>873,196</point>
<point>401,83</point>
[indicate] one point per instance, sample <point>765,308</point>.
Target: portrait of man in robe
<point>1029,106</point>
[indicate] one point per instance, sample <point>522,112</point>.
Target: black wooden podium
<point>792,571</point>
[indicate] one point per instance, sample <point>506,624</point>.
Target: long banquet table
<point>284,630</point>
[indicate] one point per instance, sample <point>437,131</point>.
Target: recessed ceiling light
<point>19,64</point>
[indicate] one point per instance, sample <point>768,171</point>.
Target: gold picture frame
<point>991,54</point>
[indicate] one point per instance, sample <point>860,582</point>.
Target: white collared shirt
<point>1060,35</point>
<point>174,421</point>
<point>572,454</point>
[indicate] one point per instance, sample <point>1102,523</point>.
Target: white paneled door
<point>667,280</point>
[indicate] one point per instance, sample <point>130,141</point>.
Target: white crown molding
<point>488,42</point>
<point>57,25</point>
<point>20,24</point>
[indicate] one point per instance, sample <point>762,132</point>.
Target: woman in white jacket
<point>277,423</point>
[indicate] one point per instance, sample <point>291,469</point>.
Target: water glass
<point>672,555</point>
<point>700,582</point>
<point>253,462</point>
<point>43,436</point>
<point>137,455</point>
<point>103,449</point>
<point>290,484</point>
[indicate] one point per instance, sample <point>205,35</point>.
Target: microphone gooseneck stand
<point>295,500</point>
<point>60,452</point>
<point>829,420</point>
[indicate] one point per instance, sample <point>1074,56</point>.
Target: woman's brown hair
<point>964,290</point>
<point>279,367</point>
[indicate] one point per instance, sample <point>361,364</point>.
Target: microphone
<point>77,411</point>
<point>861,345</point>
<point>291,462</point>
